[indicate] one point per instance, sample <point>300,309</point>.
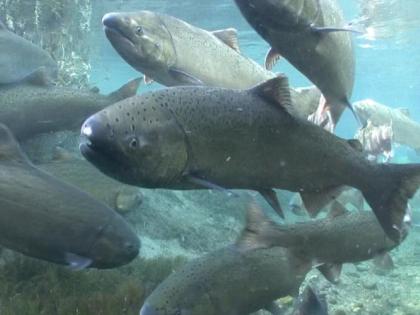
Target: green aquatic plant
<point>29,286</point>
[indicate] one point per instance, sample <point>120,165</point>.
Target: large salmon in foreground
<point>202,137</point>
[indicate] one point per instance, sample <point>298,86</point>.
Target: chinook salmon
<point>19,58</point>
<point>187,137</point>
<point>342,237</point>
<point>227,281</point>
<point>28,109</point>
<point>269,261</point>
<point>311,35</point>
<point>173,52</point>
<point>43,217</point>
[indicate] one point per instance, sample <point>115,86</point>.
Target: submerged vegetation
<point>32,287</point>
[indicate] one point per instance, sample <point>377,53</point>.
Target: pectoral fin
<point>184,77</point>
<point>76,262</point>
<point>323,29</point>
<point>271,59</point>
<point>205,183</point>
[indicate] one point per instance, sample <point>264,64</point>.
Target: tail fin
<point>127,90</point>
<point>388,197</point>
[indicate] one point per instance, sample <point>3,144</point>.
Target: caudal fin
<point>388,195</point>
<point>261,232</point>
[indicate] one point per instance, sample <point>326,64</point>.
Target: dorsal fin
<point>404,110</point>
<point>276,91</point>
<point>337,209</point>
<point>228,36</point>
<point>10,150</point>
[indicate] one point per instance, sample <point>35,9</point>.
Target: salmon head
<point>137,141</point>
<point>141,38</point>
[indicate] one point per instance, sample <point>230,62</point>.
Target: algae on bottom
<point>33,287</point>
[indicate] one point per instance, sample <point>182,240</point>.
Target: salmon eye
<point>139,31</point>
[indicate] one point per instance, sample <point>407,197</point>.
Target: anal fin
<point>274,309</point>
<point>315,201</point>
<point>184,77</point>
<point>384,261</point>
<point>331,272</point>
<point>270,196</point>
<point>147,79</point>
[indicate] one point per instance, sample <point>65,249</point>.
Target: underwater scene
<point>225,157</point>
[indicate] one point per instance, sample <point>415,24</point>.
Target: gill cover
<point>138,142</point>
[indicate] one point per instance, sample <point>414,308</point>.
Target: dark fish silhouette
<point>20,59</point>
<point>312,36</point>
<point>28,108</point>
<point>43,217</point>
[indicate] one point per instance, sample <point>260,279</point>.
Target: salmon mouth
<point>115,34</point>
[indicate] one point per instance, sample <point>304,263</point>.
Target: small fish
<point>20,59</point>
<point>160,139</point>
<point>45,218</point>
<point>341,237</point>
<point>312,36</point>
<point>376,141</point>
<point>405,130</point>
